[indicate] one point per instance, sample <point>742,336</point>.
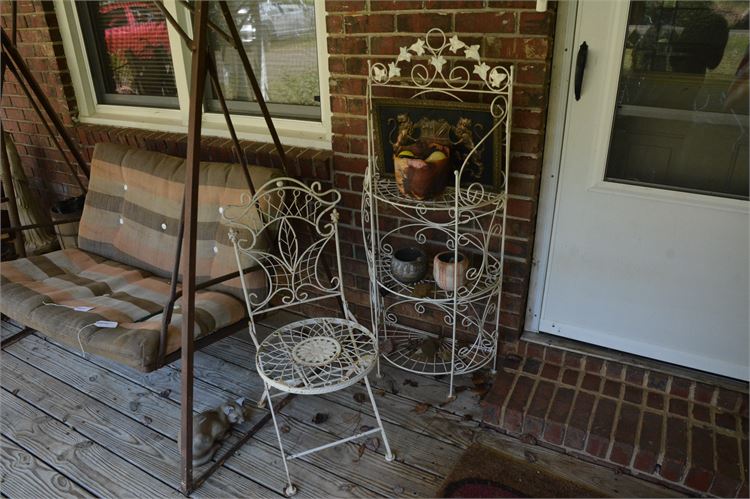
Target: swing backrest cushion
<point>132,210</point>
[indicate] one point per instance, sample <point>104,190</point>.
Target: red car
<point>137,27</point>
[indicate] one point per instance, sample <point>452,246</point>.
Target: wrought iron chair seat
<point>314,356</point>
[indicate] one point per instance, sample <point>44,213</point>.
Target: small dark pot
<point>409,265</point>
<point>442,268</point>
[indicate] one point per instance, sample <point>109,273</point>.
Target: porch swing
<point>108,296</point>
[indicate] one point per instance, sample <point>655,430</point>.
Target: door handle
<point>583,52</point>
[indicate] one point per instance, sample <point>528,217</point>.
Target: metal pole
<point>192,163</point>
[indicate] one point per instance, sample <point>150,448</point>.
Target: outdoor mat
<point>485,472</point>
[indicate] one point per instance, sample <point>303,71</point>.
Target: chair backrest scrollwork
<point>285,229</point>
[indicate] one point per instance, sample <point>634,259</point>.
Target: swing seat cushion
<point>42,291</point>
<point>127,241</point>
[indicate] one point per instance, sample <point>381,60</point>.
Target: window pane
<point>128,47</point>
<point>279,39</point>
<point>682,113</point>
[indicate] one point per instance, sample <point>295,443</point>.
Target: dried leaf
<point>398,490</point>
<point>530,456</point>
<point>408,382</point>
<point>421,407</point>
<point>467,417</point>
<point>133,405</point>
<point>373,443</point>
<point>359,397</point>
<point>460,389</point>
<point>360,450</point>
<point>146,420</point>
<point>380,392</point>
<point>285,429</point>
<point>320,418</point>
<point>479,378</point>
<point>481,390</point>
<point>165,393</point>
<point>528,438</point>
<point>365,428</point>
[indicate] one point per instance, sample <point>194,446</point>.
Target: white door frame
<point>562,62</point>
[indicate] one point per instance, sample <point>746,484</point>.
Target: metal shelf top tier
<point>473,197</point>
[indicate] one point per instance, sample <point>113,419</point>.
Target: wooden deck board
<point>133,418</point>
<point>23,475</point>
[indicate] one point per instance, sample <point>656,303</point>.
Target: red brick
<point>500,389</point>
<point>534,420</point>
<point>724,420</point>
<point>591,382</point>
<point>675,451</point>
<point>701,413</point>
<point>575,435</point>
<point>699,479</point>
<point>350,164</point>
<point>379,5</point>
<point>680,387</point>
<point>389,45</point>
<point>348,126</point>
<point>536,23</point>
<point>554,355</point>
<point>594,365</point>
<point>655,400</point>
<point>573,360</point>
<point>347,45</point>
<point>728,468</point>
<point>728,399</point>
<point>486,22</point>
<point>649,444</point>
<point>703,393</point>
<point>601,428</point>
<point>344,5</point>
<point>625,432</point>
<point>422,22</point>
<point>612,388</point>
<point>570,377</point>
<point>369,23</point>
<point>533,120</point>
<point>657,381</point>
<point>558,414</point>
<point>633,394</point>
<point>634,375</point>
<point>550,371</point>
<point>453,4</point>
<point>514,409</point>
<point>334,24</point>
<point>678,406</point>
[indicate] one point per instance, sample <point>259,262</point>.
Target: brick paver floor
<point>645,422</point>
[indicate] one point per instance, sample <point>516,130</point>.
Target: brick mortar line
<point>615,422</point>
<point>638,430</point>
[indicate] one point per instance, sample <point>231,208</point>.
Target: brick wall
<point>507,32</point>
<point>40,44</point>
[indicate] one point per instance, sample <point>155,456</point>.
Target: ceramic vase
<point>443,267</point>
<point>409,265</point>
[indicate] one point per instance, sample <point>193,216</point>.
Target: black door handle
<point>583,52</point>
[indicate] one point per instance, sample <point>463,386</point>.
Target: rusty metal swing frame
<point>203,66</point>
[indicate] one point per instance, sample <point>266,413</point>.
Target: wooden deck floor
<point>74,426</point>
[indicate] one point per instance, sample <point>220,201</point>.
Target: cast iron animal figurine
<point>211,427</point>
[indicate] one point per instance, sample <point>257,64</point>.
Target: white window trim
<point>315,134</point>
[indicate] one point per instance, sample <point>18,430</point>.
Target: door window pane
<point>128,49</point>
<point>279,39</point>
<point>681,121</point>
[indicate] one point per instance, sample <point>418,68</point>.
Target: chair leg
<point>290,490</point>
<point>388,454</point>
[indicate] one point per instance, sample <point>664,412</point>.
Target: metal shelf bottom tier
<point>408,349</point>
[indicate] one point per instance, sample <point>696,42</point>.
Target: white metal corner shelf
<point>470,218</point>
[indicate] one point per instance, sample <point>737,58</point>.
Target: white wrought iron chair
<point>312,356</point>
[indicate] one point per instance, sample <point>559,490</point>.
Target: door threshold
<point>634,360</point>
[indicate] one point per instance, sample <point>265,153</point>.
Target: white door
<point>649,247</point>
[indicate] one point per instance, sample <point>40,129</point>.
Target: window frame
<point>293,132</point>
